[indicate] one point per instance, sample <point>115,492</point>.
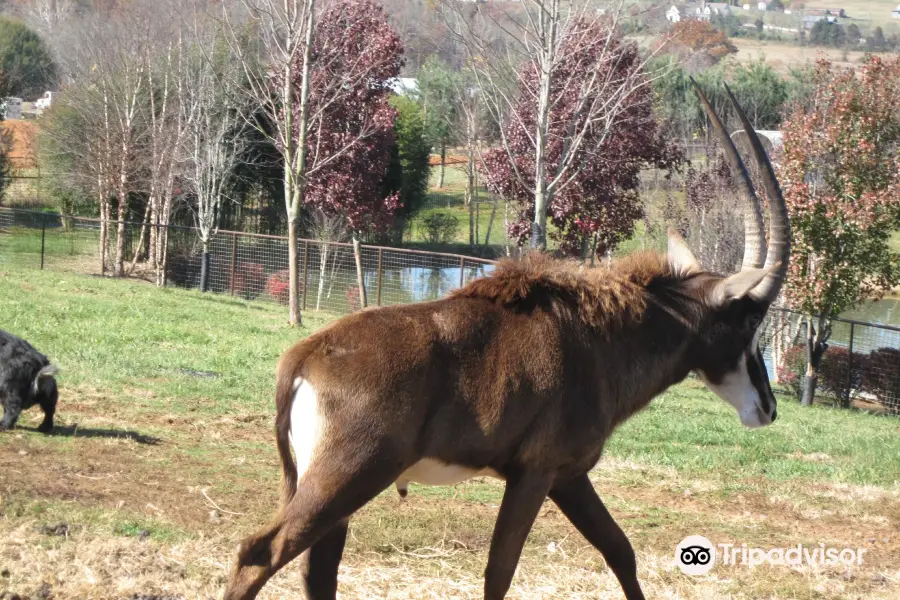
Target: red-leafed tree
<point>841,179</point>
<point>592,156</point>
<point>356,53</point>
<point>698,41</point>
<point>322,101</point>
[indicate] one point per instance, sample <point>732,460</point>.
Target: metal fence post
<point>305,270</point>
<point>849,366</point>
<point>378,284</point>
<point>43,239</point>
<point>234,243</point>
<point>462,267</point>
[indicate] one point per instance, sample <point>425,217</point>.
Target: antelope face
<point>731,364</point>
<point>726,353</point>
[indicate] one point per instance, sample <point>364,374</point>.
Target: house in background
<point>709,9</point>
<point>675,14</point>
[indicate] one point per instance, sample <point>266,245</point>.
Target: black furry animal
<point>26,379</point>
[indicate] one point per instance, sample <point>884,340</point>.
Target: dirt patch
<point>815,457</point>
<point>114,516</point>
<point>449,160</point>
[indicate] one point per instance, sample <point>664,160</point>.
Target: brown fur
<point>526,371</point>
<point>605,298</point>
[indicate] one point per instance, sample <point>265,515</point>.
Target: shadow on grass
<point>87,432</point>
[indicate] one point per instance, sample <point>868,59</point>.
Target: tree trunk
<point>477,219</point>
<point>104,232</point>
<point>154,231</point>
<point>123,209</point>
<point>140,244</point>
<point>809,385</point>
<point>323,262</point>
<point>487,236</point>
<point>470,200</point>
<point>815,350</point>
<point>506,227</point>
<point>360,279</point>
<point>204,268</point>
<point>549,22</point>
<point>294,268</point>
<point>443,160</point>
<point>162,234</point>
<point>295,182</point>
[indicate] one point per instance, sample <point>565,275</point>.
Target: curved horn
<point>754,239</point>
<point>779,223</point>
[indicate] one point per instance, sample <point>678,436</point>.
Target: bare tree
<point>215,118</point>
<point>285,30</point>
<point>46,15</point>
<point>326,228</point>
<point>169,82</point>
<point>469,109</point>
<point>278,79</point>
<point>111,84</point>
<point>502,39</point>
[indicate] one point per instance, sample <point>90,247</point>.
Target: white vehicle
<point>44,102</point>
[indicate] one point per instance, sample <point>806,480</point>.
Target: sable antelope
<point>521,375</point>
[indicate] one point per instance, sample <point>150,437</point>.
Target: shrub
<point>832,371</point>
<point>793,369</point>
<point>249,280</point>
<point>278,287</point>
<point>877,373</point>
<point>440,228</point>
<point>882,377</point>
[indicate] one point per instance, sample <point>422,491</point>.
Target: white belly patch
<point>429,471</point>
<point>307,425</point>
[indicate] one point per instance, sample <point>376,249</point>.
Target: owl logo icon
<point>695,555</point>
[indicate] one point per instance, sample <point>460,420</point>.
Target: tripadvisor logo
<point>695,555</point>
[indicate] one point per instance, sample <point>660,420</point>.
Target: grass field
<point>876,11</point>
<point>450,199</point>
<point>163,459</point>
<point>782,56</point>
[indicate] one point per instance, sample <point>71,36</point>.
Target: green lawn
<point>164,458</point>
<point>114,333</point>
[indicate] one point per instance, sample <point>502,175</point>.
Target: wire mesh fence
<point>861,366</point>
<point>251,266</point>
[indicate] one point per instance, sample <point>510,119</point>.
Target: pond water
<point>885,312</point>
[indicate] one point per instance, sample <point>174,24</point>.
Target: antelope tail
<point>288,377</point>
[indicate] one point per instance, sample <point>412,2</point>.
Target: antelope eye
<point>753,322</point>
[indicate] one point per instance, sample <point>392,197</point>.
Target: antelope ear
<point>739,285</point>
<point>681,259</point>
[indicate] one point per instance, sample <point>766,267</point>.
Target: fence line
<point>861,365</point>
<point>252,266</point>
